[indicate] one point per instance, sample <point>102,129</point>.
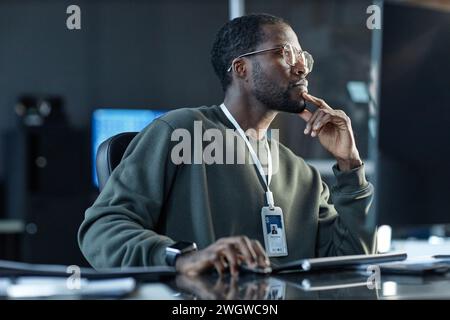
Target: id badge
<point>275,290</point>
<point>273,231</point>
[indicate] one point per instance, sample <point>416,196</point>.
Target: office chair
<point>109,155</point>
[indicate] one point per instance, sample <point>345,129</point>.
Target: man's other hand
<point>226,253</point>
<point>334,130</point>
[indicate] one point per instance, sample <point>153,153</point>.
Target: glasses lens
<point>289,54</point>
<point>293,56</point>
<point>308,60</point>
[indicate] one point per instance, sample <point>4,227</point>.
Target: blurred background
<point>62,92</point>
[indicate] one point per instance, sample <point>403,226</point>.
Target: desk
<point>343,285</point>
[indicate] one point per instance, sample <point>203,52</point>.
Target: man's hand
<point>224,253</point>
<point>334,129</point>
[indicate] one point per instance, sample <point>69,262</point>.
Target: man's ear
<point>240,68</point>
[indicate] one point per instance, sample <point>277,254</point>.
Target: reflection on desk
<point>342,285</point>
<point>291,286</point>
<point>409,287</point>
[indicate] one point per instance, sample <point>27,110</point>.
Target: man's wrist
<point>180,261</point>
<point>350,164</point>
<point>178,249</point>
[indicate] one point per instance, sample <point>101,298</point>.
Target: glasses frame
<point>272,49</point>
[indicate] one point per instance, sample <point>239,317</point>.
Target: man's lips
<point>302,85</point>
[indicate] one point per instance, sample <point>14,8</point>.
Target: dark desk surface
<point>325,285</point>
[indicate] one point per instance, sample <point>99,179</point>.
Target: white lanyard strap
<point>269,195</point>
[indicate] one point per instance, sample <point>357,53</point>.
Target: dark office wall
<point>135,54</point>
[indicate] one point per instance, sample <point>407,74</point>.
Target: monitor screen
<point>413,165</point>
<point>109,122</point>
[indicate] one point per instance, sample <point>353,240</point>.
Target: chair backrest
<point>109,155</point>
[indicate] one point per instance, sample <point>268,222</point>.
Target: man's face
<point>274,83</point>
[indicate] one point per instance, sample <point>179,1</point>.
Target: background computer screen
<point>109,122</point>
<point>413,167</point>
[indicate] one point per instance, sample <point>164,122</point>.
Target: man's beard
<point>273,96</point>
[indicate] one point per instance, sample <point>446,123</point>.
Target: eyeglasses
<point>291,56</point>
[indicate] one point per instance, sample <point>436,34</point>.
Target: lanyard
<point>269,195</point>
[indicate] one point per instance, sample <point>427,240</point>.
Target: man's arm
<point>342,228</point>
<point>118,229</point>
<point>344,231</point>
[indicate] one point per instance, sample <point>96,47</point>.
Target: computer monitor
<point>109,122</point>
<point>413,159</point>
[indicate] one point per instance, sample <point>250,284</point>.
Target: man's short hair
<point>236,37</point>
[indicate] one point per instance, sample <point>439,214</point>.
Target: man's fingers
<point>311,121</point>
<point>319,103</point>
<point>243,246</point>
<point>305,115</point>
<point>263,260</point>
<point>248,251</point>
<point>323,119</point>
<point>219,266</point>
<point>232,259</point>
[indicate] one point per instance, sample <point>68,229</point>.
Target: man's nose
<point>299,68</point>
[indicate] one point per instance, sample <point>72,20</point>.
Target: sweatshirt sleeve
<point>119,228</point>
<point>343,229</point>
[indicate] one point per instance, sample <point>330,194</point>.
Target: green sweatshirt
<point>149,202</point>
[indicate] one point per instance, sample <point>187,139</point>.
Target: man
<point>274,230</point>
<point>152,202</point>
